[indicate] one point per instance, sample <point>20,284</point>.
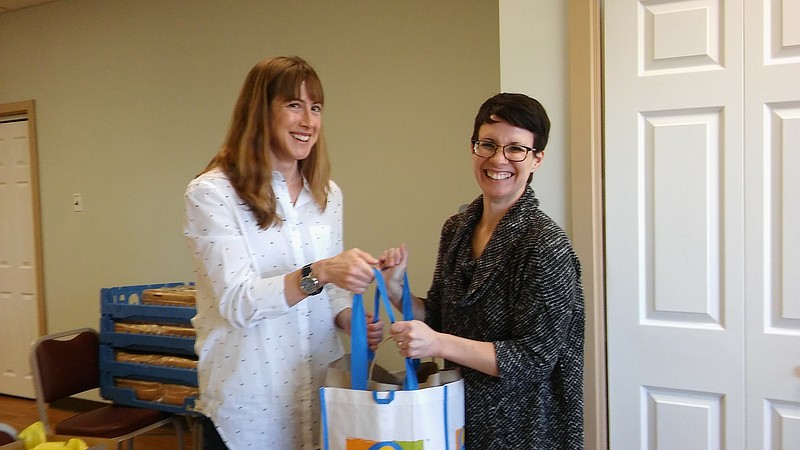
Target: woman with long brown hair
<point>264,221</point>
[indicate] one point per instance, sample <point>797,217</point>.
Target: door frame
<point>26,109</point>
<point>584,27</point>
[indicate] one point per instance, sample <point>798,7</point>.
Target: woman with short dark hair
<point>506,303</point>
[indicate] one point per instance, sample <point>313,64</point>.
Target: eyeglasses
<point>512,152</point>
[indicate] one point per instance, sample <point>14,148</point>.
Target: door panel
<point>675,220</point>
<point>19,312</point>
<point>772,107</point>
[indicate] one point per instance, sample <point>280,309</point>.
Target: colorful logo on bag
<point>364,444</point>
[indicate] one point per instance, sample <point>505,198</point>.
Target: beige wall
<point>133,98</point>
<point>533,60</point>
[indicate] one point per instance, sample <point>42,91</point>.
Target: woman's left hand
<point>415,339</point>
<point>374,332</point>
<point>344,321</point>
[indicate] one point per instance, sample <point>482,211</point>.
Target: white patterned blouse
<point>262,362</point>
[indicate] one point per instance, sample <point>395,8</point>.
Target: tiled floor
<point>19,413</point>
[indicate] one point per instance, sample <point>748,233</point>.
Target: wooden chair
<point>67,363</point>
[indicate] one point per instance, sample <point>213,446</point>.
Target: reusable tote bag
<point>407,417</point>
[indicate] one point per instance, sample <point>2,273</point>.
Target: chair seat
<point>6,438</point>
<point>109,421</point>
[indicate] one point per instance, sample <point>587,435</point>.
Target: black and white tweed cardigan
<point>523,294</point>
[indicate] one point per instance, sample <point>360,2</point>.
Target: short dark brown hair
<point>518,110</point>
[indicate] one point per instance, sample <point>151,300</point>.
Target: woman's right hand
<point>394,262</point>
<point>351,270</point>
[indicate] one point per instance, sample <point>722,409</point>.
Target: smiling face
<point>501,180</point>
<point>294,129</point>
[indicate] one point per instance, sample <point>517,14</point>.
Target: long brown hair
<point>245,158</point>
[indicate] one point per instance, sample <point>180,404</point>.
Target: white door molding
<point>586,156</point>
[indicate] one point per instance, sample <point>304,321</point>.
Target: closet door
<point>675,243</point>
<point>772,231</point>
<point>21,319</point>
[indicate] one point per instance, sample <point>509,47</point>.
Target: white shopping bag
<point>407,417</point>
<point>424,419</point>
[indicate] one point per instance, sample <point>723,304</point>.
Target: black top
<point>523,294</point>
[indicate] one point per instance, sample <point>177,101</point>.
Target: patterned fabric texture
<point>262,362</point>
<point>523,294</point>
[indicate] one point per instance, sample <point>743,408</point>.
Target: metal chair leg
<point>178,421</point>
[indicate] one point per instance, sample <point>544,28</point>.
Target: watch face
<point>309,285</point>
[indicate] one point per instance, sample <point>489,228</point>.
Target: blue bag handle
<point>406,306</point>
<point>360,355</point>
<point>408,314</point>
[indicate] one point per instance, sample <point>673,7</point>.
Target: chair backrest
<point>65,367</point>
<point>67,363</point>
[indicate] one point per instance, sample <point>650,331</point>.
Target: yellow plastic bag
<point>34,437</point>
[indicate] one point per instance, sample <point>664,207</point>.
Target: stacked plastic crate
<point>147,354</point>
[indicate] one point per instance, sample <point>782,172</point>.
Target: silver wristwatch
<point>309,284</point>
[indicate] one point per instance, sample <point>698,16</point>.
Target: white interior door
<point>772,180</point>
<point>675,247</point>
<point>19,296</point>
